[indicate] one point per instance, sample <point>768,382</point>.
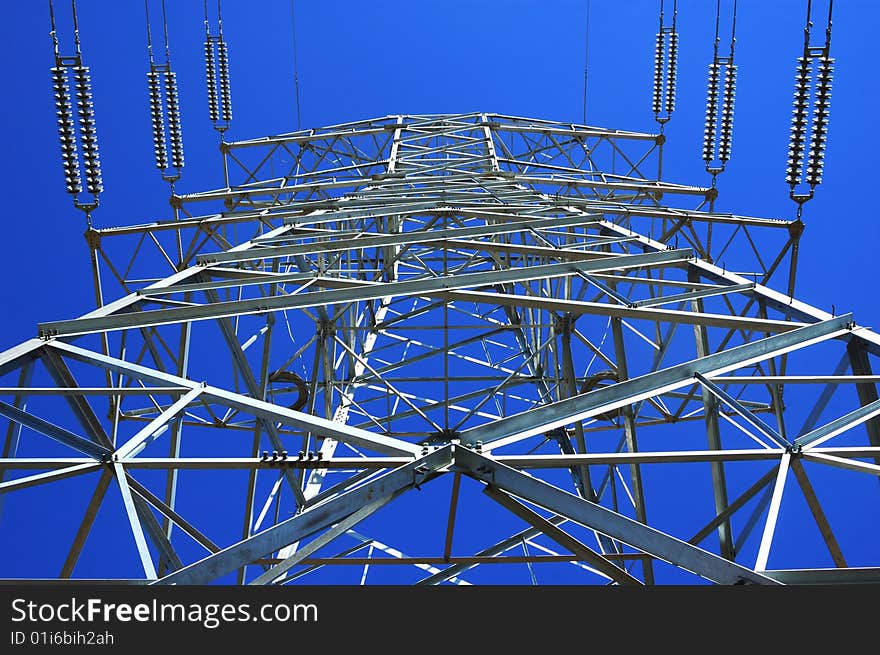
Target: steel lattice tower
<point>391,316</point>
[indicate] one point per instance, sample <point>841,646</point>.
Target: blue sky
<point>360,60</point>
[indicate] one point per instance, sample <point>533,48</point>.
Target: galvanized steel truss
<point>475,297</point>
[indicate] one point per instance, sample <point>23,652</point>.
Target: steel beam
<point>13,431</point>
<point>85,526</point>
<point>773,513</point>
<point>171,515</point>
<point>866,390</point>
<point>713,436</point>
<point>53,431</point>
<point>547,417</point>
<point>736,505</point>
<point>152,430</point>
<point>629,433</point>
<point>580,550</point>
<point>256,391</point>
<point>839,425</point>
<point>135,522</point>
<point>579,307</point>
<point>841,462</point>
<point>744,412</point>
<point>80,405</point>
<point>818,513</point>
<point>397,239</point>
<point>309,521</point>
<point>863,575</point>
<point>361,291</point>
<point>363,438</point>
<point>617,526</point>
<point>319,542</point>
<point>372,464</point>
<point>781,302</point>
<point>48,476</point>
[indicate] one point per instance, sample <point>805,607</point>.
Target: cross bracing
<point>369,323</point>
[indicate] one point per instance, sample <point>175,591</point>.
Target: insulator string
<point>803,79</point>
<point>810,114</point>
<point>217,73</point>
<point>657,98</point>
<point>164,101</point>
<point>665,67</point>
<point>711,111</point>
<point>727,104</point>
<point>211,79</point>
<point>66,130</point>
<point>720,100</point>
<point>159,143</point>
<point>210,71</point>
<point>225,92</point>
<point>85,105</point>
<point>174,131</point>
<point>815,161</point>
<point>671,69</point>
<point>77,130</point>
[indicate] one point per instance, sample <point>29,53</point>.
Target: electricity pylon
<point>446,304</point>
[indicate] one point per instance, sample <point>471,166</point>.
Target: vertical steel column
<point>629,428</point>
<point>176,431</point>
<point>713,433</point>
<point>581,474</point>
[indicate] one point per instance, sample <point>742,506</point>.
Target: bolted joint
<point>564,324</point>
<point>557,433</point>
<point>325,329</point>
<point>778,404</point>
<point>420,473</point>
<point>712,194</point>
<point>486,472</point>
<point>660,139</point>
<point>796,229</point>
<point>46,334</point>
<point>441,437</point>
<point>93,238</point>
